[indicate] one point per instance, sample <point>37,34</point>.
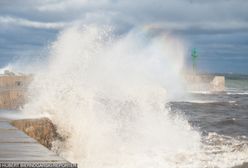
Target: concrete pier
<point>17,147</point>
<point>198,82</point>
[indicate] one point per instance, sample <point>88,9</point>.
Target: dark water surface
<point>221,118</point>
<point>222,113</point>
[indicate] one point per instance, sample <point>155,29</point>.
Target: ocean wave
<point>208,101</point>
<point>201,92</point>
<point>237,93</point>
<point>112,111</point>
<point>222,150</point>
<point>228,92</point>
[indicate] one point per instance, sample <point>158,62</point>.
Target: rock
<point>244,165</point>
<point>42,130</point>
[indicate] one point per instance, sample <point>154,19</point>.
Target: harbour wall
<point>13,90</point>
<point>212,83</point>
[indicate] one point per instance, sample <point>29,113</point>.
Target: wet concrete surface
<point>16,146</point>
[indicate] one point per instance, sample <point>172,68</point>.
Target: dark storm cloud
<point>216,27</point>
<point>179,13</point>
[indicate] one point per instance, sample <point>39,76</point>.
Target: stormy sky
<point>217,28</point>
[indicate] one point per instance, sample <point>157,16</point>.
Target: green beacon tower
<point>194,58</point>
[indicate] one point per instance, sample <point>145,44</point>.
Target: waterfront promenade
<point>17,147</point>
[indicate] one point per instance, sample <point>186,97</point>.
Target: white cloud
<point>61,5</point>
<point>200,25</point>
<point>7,20</point>
<point>179,14</point>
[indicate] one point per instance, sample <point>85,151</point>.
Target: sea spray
<point>107,95</point>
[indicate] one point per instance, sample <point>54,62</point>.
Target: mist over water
<point>107,95</point>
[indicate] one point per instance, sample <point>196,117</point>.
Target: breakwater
<point>213,83</point>
<point>19,150</point>
<point>13,90</point>
<point>25,143</point>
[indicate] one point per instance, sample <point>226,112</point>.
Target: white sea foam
<point>237,93</point>
<point>202,101</point>
<point>201,92</point>
<point>207,101</point>
<point>8,67</point>
<point>107,96</point>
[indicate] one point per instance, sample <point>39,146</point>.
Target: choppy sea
<point>221,112</point>
<point>221,117</point>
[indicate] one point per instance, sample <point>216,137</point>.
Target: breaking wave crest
<point>107,96</point>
